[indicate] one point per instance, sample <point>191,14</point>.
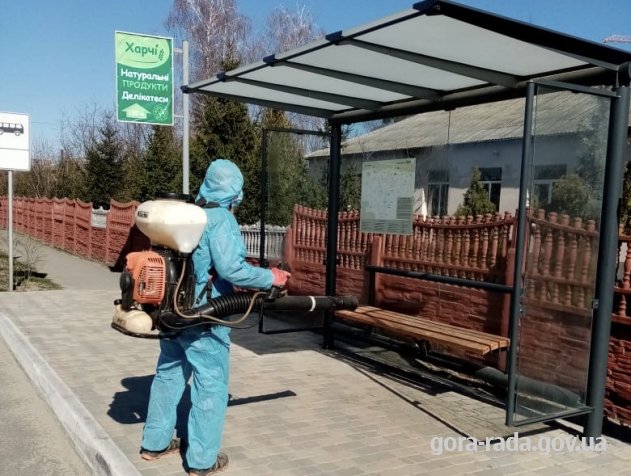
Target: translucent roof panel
<point>455,40</point>
<point>354,60</point>
<point>282,75</point>
<point>265,94</point>
<point>436,55</point>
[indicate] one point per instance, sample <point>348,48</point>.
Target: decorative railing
<point>309,230</point>
<point>622,290</point>
<point>274,240</point>
<point>561,261</point>
<point>472,247</point>
<point>70,225</point>
<point>463,247</point>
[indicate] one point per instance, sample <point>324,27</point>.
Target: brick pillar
<point>375,259</point>
<point>289,251</point>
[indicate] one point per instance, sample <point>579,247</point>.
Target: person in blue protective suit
<point>204,351</point>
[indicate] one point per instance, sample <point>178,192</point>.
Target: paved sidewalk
<point>295,410</point>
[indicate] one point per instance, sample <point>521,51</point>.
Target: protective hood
<point>223,184</point>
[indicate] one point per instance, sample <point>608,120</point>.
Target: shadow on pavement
<point>130,405</point>
<point>260,398</point>
<point>286,335</point>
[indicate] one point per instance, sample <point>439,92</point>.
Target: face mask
<point>236,201</point>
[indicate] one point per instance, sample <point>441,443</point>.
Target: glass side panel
<point>559,279</point>
<point>295,200</point>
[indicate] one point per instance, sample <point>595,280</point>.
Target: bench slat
<point>421,334</point>
<point>418,321</point>
<point>424,334</point>
<point>424,329</point>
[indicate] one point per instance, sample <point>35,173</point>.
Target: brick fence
<point>560,267</point>
<point>554,340</point>
<point>67,225</point>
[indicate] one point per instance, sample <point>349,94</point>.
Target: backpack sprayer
<point>158,285</point>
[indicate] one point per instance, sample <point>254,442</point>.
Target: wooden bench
<point>425,330</point>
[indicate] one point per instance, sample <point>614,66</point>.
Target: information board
<point>387,199</point>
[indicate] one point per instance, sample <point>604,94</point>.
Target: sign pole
<point>185,128</point>
<point>10,229</point>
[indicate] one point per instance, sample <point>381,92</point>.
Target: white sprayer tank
<point>172,223</point>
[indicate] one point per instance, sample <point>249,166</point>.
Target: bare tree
<point>221,39</point>
<point>31,253</point>
<point>39,181</point>
<point>285,30</point>
<point>216,30</point>
<point>288,29</point>
<point>80,132</point>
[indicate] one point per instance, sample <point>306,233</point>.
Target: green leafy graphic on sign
<point>160,112</point>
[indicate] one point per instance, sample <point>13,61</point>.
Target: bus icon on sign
<point>9,127</point>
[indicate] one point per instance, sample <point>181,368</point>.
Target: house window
<point>437,192</point>
<point>545,176</point>
<point>491,180</point>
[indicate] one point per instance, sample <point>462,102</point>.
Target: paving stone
<point>342,420</point>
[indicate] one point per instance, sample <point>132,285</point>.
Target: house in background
<point>448,145</point>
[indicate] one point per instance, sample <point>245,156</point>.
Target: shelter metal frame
<point>431,57</point>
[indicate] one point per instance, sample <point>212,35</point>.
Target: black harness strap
<point>204,204</point>
<point>208,289</point>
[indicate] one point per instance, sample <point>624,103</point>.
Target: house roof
<point>436,55</point>
<point>556,114</point>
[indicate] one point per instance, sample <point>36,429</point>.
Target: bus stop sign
<point>15,139</point>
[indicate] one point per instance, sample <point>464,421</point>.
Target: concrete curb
<point>92,442</point>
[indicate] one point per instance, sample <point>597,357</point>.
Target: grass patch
<point>24,278</point>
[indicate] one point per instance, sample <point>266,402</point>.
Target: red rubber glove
<point>280,277</point>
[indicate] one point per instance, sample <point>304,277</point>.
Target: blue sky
<point>58,56</point>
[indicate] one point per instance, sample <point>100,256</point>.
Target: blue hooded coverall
<point>204,351</point>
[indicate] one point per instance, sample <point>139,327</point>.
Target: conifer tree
<point>158,169</point>
<point>223,129</point>
<point>70,178</point>
<point>104,171</point>
<point>476,198</point>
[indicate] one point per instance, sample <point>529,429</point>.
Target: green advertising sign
<point>144,78</point>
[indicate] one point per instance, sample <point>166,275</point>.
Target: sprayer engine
<point>144,279</point>
<point>153,283</point>
<point>150,281</point>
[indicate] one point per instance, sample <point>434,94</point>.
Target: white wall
<point>460,159</point>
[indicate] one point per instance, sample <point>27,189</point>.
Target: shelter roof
<point>436,55</point>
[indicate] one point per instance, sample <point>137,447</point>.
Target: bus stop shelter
<point>440,55</point>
